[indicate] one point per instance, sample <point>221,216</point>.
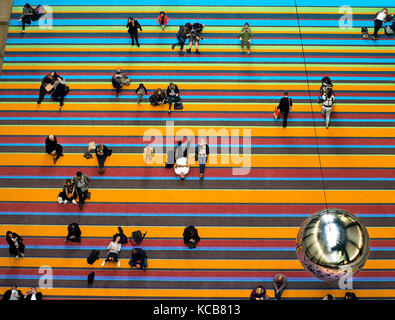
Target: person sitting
<point>16,246</point>
<point>181,166</point>
<point>26,17</point>
<point>147,155</point>
<point>52,147</point>
<point>119,79</point>
<point>81,182</point>
<point>162,19</point>
<point>191,237</point>
<point>68,193</point>
<point>33,294</point>
<point>47,85</point>
<point>102,152</point>
<point>74,233</point>
<point>13,294</point>
<point>259,293</point>
<point>194,36</point>
<point>60,90</point>
<point>158,97</point>
<point>140,91</point>
<point>138,259</point>
<point>329,297</point>
<point>114,248</point>
<point>173,94</point>
<point>350,296</point>
<point>279,284</point>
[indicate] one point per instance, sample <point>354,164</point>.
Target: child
<point>140,91</point>
<point>162,19</point>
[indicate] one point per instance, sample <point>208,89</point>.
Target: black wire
<point>311,106</point>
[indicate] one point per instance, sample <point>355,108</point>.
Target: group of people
<point>78,186</point>
<point>14,294</point>
<point>55,85</point>
<point>279,285</point>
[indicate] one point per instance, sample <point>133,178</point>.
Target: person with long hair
<point>158,97</point>
<point>162,19</point>
<point>327,102</point>
<point>26,18</point>
<point>16,246</point>
<point>201,154</point>
<point>114,248</point>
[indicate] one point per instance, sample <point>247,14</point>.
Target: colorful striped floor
<point>248,223</point>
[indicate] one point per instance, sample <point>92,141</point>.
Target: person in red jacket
<point>162,19</point>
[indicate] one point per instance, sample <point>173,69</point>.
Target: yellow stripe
<point>224,161</point>
<point>124,131</point>
<point>209,196</point>
<point>216,232</point>
<point>191,106</point>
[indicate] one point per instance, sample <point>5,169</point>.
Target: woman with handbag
<point>285,107</point>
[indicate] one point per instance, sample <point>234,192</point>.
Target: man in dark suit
<point>33,294</point>
<point>13,294</point>
<point>285,106</point>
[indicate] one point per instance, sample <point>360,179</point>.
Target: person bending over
<point>47,85</point>
<point>102,152</point>
<point>53,148</point>
<point>68,194</point>
<point>158,97</point>
<point>74,233</point>
<point>138,259</point>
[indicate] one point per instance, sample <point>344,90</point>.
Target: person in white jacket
<point>114,248</point>
<point>327,102</point>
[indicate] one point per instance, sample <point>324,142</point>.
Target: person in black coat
<point>60,91</point>
<point>173,94</point>
<point>133,26</point>
<point>33,294</point>
<point>74,233</point>
<point>13,294</point>
<point>50,78</point>
<point>102,152</point>
<point>191,237</point>
<point>52,147</point>
<point>17,248</point>
<point>138,259</point>
<point>285,106</point>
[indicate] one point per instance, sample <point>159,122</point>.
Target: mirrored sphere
<point>332,243</point>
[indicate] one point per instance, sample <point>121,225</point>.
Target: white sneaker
<point>104,262</point>
<point>65,202</point>
<point>74,202</point>
<point>119,263</point>
<point>17,257</point>
<point>60,200</point>
<point>22,254</point>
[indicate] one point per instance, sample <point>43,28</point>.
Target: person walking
<point>140,91</point>
<point>181,37</point>
<point>245,36</point>
<point>194,36</point>
<point>53,148</point>
<point>133,26</point>
<point>285,107</point>
<point>102,152</point>
<point>81,181</point>
<point>162,19</point>
<point>16,246</point>
<point>201,154</point>
<point>380,17</point>
<point>327,102</point>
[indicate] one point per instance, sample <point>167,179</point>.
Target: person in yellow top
<point>245,36</point>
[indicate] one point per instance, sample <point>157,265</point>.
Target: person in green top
<point>245,36</point>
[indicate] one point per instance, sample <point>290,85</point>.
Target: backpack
<point>124,238</point>
<point>137,237</point>
<point>91,277</point>
<point>178,105</point>
<point>38,12</point>
<point>93,256</point>
<point>364,32</point>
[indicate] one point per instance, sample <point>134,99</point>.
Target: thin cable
<point>311,106</point>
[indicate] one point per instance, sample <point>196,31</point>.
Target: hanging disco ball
<point>332,243</point>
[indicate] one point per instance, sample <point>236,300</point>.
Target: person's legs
<point>132,37</point>
<point>139,98</point>
<point>42,94</point>
<point>377,26</point>
<point>248,43</point>
<point>59,151</point>
<point>202,165</point>
<point>136,36</point>
<point>327,116</point>
<point>285,114</point>
<point>101,160</point>
<point>197,47</point>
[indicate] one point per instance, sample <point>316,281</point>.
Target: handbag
<point>276,112</point>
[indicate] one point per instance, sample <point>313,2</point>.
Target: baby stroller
<point>326,86</point>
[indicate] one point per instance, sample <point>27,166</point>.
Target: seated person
<point>119,80</point>
<point>33,294</point>
<point>13,294</point>
<point>102,152</point>
<point>138,259</point>
<point>60,90</point>
<point>191,237</point>
<point>259,293</point>
<point>114,248</point>
<point>279,284</point>
<point>47,85</point>
<point>52,147</point>
<point>68,193</point>
<point>147,155</point>
<point>158,97</point>
<point>181,167</point>
<point>74,233</point>
<point>173,94</point>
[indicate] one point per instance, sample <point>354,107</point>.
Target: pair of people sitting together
<point>78,186</point>
<point>56,86</point>
<point>172,96</point>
